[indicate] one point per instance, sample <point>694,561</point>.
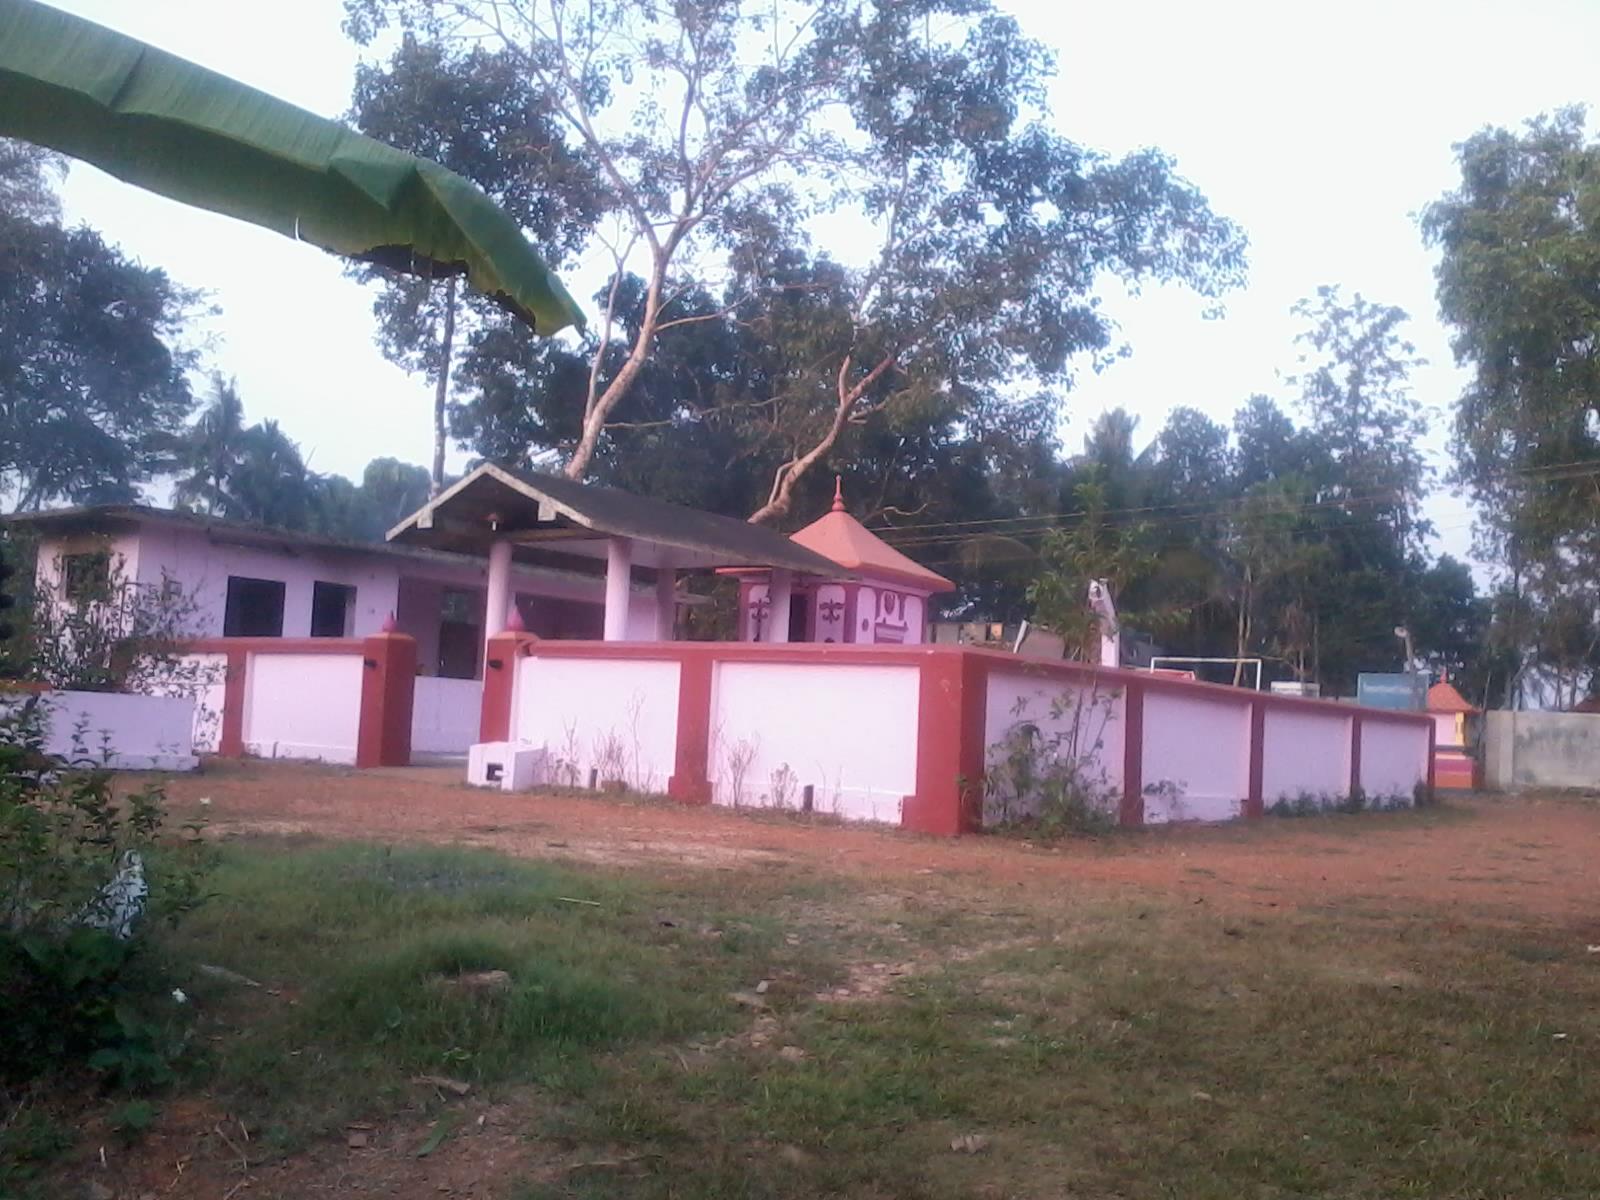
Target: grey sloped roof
<point>532,509</point>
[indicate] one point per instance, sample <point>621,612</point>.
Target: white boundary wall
<point>617,718</point>
<point>122,732</point>
<point>1542,750</point>
<point>1196,763</point>
<point>303,706</point>
<point>847,731</point>
<point>1306,755</point>
<point>1088,719</point>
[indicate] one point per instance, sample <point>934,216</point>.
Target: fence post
<point>388,686</point>
<point>950,751</point>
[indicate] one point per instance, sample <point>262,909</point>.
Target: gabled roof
<point>843,539</point>
<point>1443,698</point>
<point>532,509</point>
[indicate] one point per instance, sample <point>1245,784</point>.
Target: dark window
<point>86,576</point>
<point>255,608</point>
<point>457,605</point>
<point>331,605</point>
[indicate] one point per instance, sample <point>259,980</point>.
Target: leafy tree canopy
<point>92,368</point>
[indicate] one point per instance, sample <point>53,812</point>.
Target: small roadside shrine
<point>1454,765</point>
<point>878,597</point>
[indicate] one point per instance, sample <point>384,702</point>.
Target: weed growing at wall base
<point>1045,773</point>
<point>1310,804</point>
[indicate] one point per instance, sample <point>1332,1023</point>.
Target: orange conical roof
<point>1443,698</point>
<point>845,540</point>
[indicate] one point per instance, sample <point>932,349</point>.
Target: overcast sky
<point>1321,129</point>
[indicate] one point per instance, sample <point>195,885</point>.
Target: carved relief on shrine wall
<point>830,613</point>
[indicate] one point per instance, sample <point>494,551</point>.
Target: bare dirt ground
<point>1518,859</point>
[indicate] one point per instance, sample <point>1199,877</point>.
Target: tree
<point>1092,547</point>
<point>477,114</point>
<point>391,491</point>
<point>1355,387</point>
<point>92,379</point>
<point>210,450</point>
<point>720,131</point>
<point>1519,250</point>
<point>26,193</point>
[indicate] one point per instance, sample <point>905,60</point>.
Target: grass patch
<point>360,951</point>
<point>928,1038</point>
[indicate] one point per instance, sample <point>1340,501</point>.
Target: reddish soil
<point>1518,859</point>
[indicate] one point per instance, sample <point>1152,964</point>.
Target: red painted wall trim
<point>1355,751</point>
<point>1255,800</point>
<point>1132,812</point>
<point>499,681</point>
<point>690,780</point>
<point>388,688</point>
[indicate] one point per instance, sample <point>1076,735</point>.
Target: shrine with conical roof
<point>880,596</point>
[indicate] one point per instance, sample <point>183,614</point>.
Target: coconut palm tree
<point>211,451</point>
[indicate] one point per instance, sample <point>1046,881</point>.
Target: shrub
<point>1046,775</point>
<point>83,874</point>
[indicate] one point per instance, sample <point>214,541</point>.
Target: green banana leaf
<point>175,128</point>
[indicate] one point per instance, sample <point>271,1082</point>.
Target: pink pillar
<point>619,588</point>
<point>781,594</point>
<point>666,602</point>
<point>498,606</point>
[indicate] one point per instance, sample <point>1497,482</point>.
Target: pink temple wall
<point>1196,755</point>
<point>1306,754</point>
<point>848,732</point>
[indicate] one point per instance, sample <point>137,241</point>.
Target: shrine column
<point>781,593</point>
<point>619,588</point>
<point>666,600</point>
<point>497,606</point>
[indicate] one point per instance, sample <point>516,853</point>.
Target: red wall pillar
<point>1131,814</point>
<point>499,682</point>
<point>230,738</point>
<point>690,780</point>
<point>388,686</point>
<point>1355,753</point>
<point>1255,801</point>
<point>950,748</point>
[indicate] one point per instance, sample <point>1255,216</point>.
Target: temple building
<point>879,597</point>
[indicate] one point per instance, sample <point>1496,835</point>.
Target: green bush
<point>80,985</point>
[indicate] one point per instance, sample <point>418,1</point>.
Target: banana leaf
<point>168,125</point>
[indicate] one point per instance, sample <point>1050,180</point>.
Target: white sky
<point>1321,129</point>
